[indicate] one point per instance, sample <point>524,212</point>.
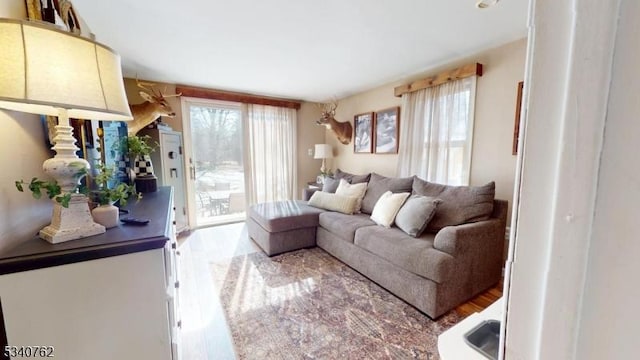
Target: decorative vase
<point>106,215</point>
<point>145,180</point>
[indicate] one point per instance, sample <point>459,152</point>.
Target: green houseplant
<point>139,148</point>
<point>106,195</point>
<point>109,195</point>
<point>52,188</point>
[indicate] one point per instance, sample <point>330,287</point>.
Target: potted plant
<point>107,195</point>
<point>139,148</point>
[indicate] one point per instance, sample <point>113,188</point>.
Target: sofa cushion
<point>415,255</point>
<point>344,226</point>
<point>330,184</point>
<point>460,204</point>
<point>351,178</point>
<point>284,215</point>
<point>379,184</point>
<point>333,202</point>
<point>352,190</point>
<point>384,213</point>
<point>416,213</point>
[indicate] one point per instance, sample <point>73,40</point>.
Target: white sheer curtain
<point>270,143</point>
<point>436,132</point>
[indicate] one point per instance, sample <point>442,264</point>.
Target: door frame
<point>189,167</point>
<point>557,174</point>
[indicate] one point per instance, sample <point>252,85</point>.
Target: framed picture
<point>82,132</point>
<point>363,125</point>
<point>34,9</point>
<point>112,138</point>
<point>387,125</point>
<point>516,126</point>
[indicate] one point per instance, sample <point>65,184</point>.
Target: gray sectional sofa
<point>458,256</point>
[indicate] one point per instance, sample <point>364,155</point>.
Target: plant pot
<point>106,215</point>
<point>145,180</point>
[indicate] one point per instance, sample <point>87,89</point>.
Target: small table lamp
<point>323,151</point>
<point>47,71</point>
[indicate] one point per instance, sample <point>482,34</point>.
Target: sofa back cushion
<point>460,204</point>
<point>416,213</point>
<point>351,178</point>
<point>330,184</point>
<point>378,185</point>
<point>352,190</point>
<point>386,209</point>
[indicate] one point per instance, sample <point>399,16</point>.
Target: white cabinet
<point>111,308</point>
<point>109,296</point>
<point>168,163</point>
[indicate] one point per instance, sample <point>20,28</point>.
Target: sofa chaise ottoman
<point>283,226</point>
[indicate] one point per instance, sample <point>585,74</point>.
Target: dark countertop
<point>123,239</point>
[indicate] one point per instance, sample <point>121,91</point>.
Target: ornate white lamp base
<point>74,222</point>
<point>71,223</point>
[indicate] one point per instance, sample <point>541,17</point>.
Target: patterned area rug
<point>308,305</point>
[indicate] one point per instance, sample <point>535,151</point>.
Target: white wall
<point>13,9</point>
<point>609,322</point>
<point>22,152</point>
<point>309,134</point>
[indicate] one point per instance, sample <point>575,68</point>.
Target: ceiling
<point>299,49</point>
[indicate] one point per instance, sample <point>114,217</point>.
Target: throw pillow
<point>333,202</point>
<point>351,178</point>
<point>353,190</point>
<point>330,185</point>
<point>415,214</point>
<point>387,207</point>
<point>460,204</point>
<point>379,184</point>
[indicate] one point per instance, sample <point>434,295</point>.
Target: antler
<point>172,95</point>
<point>147,86</point>
<point>151,87</point>
<point>332,107</point>
<point>328,108</point>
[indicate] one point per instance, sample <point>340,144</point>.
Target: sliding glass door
<point>215,156</point>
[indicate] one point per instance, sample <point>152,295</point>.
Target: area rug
<point>308,305</point>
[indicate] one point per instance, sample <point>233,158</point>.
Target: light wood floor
<point>205,333</point>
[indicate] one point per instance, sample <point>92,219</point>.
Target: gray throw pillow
<point>379,184</point>
<point>460,204</point>
<point>351,178</point>
<point>416,213</point>
<point>330,185</point>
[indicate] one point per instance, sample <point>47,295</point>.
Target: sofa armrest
<point>471,238</point>
<point>307,193</point>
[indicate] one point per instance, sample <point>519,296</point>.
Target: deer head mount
<point>155,105</point>
<point>342,130</point>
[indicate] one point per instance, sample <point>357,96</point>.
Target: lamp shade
<point>323,151</point>
<point>43,69</point>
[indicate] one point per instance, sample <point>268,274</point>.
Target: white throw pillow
<point>387,207</point>
<point>352,190</point>
<point>333,202</point>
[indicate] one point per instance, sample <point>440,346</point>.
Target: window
<point>437,131</point>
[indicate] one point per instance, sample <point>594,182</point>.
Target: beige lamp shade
<point>43,69</point>
<point>323,151</point>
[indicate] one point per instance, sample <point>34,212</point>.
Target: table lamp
<point>47,71</point>
<point>323,151</point>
